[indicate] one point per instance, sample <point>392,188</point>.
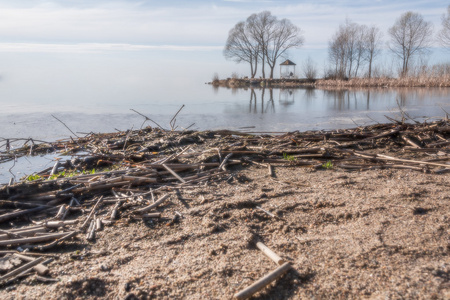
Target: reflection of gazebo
<point>286,96</point>
<point>287,69</point>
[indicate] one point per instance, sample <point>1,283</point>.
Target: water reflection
<point>287,96</point>
<point>262,107</point>
<point>375,99</point>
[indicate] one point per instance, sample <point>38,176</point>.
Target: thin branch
<point>65,126</point>
<point>146,119</point>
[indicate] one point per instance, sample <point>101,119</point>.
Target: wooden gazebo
<point>287,69</point>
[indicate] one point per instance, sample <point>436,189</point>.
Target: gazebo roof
<point>287,63</point>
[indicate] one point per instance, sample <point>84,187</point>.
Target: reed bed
<point>419,81</point>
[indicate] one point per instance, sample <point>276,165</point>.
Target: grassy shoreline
<point>413,81</point>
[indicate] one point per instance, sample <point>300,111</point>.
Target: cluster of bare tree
<point>444,34</point>
<point>261,40</point>
<point>353,46</point>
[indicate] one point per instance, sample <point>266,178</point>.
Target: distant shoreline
<point>443,81</point>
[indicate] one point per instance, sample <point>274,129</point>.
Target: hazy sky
<point>184,31</point>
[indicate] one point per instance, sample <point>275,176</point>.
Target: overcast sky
<point>178,27</point>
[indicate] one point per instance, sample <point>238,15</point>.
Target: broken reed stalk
<point>6,234</point>
<point>151,215</point>
<point>54,243</point>
<point>174,120</point>
<point>40,268</point>
<point>21,234</point>
<point>34,239</point>
<point>173,173</point>
<point>23,268</point>
<point>115,210</point>
<point>91,213</point>
<point>267,212</point>
<point>270,254</point>
<point>147,119</point>
<point>65,126</point>
<point>225,160</point>
<point>98,224</point>
<point>91,231</point>
<point>9,216</point>
<point>270,170</point>
<point>263,282</point>
<point>153,205</point>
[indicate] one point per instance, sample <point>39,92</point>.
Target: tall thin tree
<point>373,41</point>
<point>411,36</point>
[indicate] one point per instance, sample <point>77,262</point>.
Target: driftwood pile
<point>127,175</point>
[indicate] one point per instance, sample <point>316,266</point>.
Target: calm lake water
<point>215,108</point>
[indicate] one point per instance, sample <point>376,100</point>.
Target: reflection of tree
<point>345,99</point>
<point>310,93</point>
<point>252,98</point>
<point>271,102</point>
<point>253,108</point>
<point>368,99</point>
<point>402,97</point>
<point>338,97</point>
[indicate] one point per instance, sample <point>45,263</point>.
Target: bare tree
<point>360,47</point>
<point>411,35</point>
<point>241,46</point>
<point>444,33</point>
<point>283,37</point>
<point>373,40</point>
<point>309,68</point>
<point>337,52</point>
<point>261,30</point>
